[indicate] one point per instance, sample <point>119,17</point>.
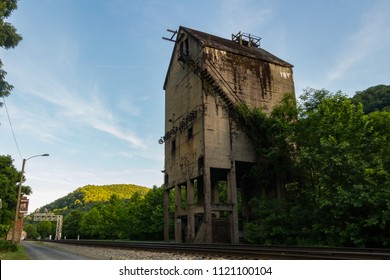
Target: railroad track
<point>249,252</point>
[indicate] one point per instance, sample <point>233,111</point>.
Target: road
<point>38,251</point>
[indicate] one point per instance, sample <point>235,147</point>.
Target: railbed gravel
<point>100,253</point>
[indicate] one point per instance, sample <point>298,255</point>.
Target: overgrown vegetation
<point>9,38</point>
<point>18,254</point>
<point>273,140</point>
<point>334,163</point>
<point>9,182</point>
<point>7,246</point>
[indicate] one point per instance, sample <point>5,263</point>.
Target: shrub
<point>7,246</point>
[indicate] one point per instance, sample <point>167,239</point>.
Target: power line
<point>12,129</point>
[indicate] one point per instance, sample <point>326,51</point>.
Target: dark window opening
<point>166,180</point>
<point>201,163</point>
<point>173,146</point>
<point>190,133</point>
<point>184,50</point>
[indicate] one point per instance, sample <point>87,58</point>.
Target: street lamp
<point>16,239</point>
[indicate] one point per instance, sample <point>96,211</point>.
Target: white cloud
<point>242,15</point>
<point>71,100</point>
<point>372,37</point>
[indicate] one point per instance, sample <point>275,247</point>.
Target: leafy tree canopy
<point>137,218</point>
<point>9,179</point>
<point>334,163</point>
<point>376,98</point>
<point>9,38</point>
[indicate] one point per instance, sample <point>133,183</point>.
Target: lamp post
<point>16,239</point>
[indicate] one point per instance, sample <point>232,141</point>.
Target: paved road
<point>38,251</point>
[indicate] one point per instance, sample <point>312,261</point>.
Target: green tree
<point>44,228</point>
<point>376,98</point>
<point>346,177</point>
<point>72,224</point>
<point>9,38</point>
<point>333,135</point>
<point>145,217</point>
<point>113,214</point>
<point>31,230</point>
<point>9,179</point>
<point>8,191</point>
<point>91,224</point>
<point>134,220</point>
<point>154,211</point>
<point>340,194</point>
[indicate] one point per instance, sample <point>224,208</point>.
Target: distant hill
<point>376,98</point>
<point>86,197</point>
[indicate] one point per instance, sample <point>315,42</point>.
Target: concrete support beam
<point>232,198</point>
<point>190,211</point>
<point>166,214</point>
<point>178,235</point>
<point>207,206</point>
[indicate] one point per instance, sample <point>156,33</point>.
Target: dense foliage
<point>9,38</point>
<point>334,162</point>
<point>106,212</point>
<point>7,246</point>
<point>272,138</point>
<point>8,179</point>
<point>376,98</point>
<point>9,182</point>
<point>139,218</point>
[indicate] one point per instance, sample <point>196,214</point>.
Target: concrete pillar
<point>232,198</point>
<point>178,235</point>
<point>166,214</point>
<point>207,206</point>
<point>190,211</point>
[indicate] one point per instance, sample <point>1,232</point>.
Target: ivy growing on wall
<point>272,139</point>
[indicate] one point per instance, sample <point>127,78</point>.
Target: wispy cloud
<point>73,102</point>
<point>243,15</point>
<point>371,37</point>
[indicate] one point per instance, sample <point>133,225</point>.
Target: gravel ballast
<point>100,253</point>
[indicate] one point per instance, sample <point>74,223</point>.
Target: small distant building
<point>206,153</point>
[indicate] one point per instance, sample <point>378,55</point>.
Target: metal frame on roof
<point>246,39</point>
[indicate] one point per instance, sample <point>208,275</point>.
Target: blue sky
<point>88,75</point>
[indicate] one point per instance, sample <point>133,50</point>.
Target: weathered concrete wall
<point>217,133</point>
<point>183,97</point>
<point>255,82</point>
<point>202,141</point>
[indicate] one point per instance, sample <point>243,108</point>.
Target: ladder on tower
<point>210,74</point>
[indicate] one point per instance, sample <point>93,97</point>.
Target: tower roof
<point>227,45</point>
<point>234,47</point>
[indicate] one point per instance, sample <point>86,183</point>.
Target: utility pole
<point>16,239</point>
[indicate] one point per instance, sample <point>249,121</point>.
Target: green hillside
<point>376,98</point>
<point>87,196</point>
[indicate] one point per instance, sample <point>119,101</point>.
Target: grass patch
<point>18,254</point>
